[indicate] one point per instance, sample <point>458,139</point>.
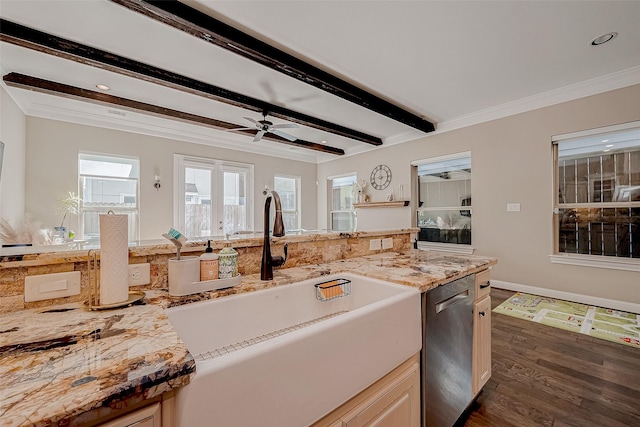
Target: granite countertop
<point>59,362</point>
<point>419,269</point>
<point>77,250</point>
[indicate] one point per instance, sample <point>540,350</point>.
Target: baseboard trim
<point>568,296</point>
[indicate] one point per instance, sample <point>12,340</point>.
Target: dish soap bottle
<point>208,264</point>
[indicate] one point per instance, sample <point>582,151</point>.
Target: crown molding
<point>618,80</point>
<point>609,82</point>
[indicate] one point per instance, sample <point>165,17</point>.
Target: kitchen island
<point>65,365</point>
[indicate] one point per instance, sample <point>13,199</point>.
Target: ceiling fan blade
<point>285,125</point>
<point>259,136</point>
<point>283,135</point>
<point>255,122</point>
<point>237,129</point>
<point>268,89</point>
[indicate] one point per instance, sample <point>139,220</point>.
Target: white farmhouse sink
<point>322,354</point>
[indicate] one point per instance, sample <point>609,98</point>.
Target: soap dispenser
<point>208,264</point>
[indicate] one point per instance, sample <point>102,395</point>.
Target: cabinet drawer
<point>483,286</point>
<point>149,416</point>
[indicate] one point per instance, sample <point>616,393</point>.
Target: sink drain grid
<point>243,344</point>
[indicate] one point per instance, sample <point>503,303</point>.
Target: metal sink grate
<point>212,354</point>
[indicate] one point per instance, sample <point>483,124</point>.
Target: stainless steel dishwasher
<point>447,326</point>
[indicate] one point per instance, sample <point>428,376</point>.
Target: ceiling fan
<point>265,126</point>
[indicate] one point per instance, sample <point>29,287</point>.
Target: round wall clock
<point>380,177</point>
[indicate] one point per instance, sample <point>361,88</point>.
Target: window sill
<point>597,261</point>
<point>446,247</point>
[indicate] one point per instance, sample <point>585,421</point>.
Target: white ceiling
<point>453,62</point>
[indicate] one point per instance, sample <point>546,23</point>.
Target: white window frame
<point>298,210</point>
<point>135,235</point>
<point>460,248</point>
<point>585,260</point>
<point>331,210</point>
<point>218,168</point>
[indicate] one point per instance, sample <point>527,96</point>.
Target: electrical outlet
<point>139,274</point>
<point>387,243</point>
<point>513,207</point>
<point>375,244</point>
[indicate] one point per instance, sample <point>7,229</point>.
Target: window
<point>597,187</point>
<point>212,197</point>
<point>288,188</point>
<point>342,215</point>
<point>108,183</point>
<point>444,202</point>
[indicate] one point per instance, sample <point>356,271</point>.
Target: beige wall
<point>12,181</point>
<point>512,163</point>
<point>52,159</point>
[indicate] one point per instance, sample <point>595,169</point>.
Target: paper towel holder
<point>94,291</point>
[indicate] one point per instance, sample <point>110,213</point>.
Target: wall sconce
<point>156,183</point>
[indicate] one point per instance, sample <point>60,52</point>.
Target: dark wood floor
<point>544,376</point>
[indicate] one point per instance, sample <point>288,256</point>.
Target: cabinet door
<point>398,404</point>
<point>481,344</point>
<point>149,416</point>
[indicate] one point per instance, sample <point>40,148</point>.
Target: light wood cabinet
<point>149,416</point>
<point>482,284</point>
<point>481,365</point>
<point>156,412</point>
<point>392,401</point>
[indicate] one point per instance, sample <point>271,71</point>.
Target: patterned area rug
<point>604,323</point>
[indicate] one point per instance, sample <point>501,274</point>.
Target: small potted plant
<point>70,204</point>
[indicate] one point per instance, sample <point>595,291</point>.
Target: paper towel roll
<point>114,258</point>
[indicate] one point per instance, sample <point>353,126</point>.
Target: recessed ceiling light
<point>609,145</point>
<point>606,151</point>
<point>102,87</point>
<point>603,38</point>
<point>324,141</point>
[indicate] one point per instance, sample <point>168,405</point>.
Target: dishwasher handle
<point>443,305</point>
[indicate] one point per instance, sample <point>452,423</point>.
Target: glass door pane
<point>235,207</point>
<point>286,188</point>
<point>198,214</point>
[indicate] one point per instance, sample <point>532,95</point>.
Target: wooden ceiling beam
<point>189,20</point>
<point>30,38</point>
<point>71,92</point>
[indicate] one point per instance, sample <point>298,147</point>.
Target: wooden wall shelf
<point>393,204</point>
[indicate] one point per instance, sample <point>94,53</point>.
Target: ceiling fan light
<point>603,38</point>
